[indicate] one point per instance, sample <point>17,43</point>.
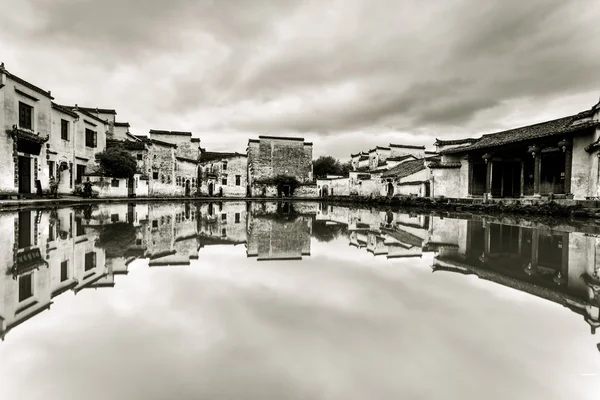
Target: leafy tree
<point>117,162</point>
<point>327,165</point>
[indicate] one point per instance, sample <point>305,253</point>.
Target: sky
<point>345,74</point>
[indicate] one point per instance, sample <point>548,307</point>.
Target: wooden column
<point>522,185</point>
<point>537,167</point>
<point>568,168</point>
<point>488,179</point>
<point>470,189</point>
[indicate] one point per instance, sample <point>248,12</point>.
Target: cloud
<point>320,69</point>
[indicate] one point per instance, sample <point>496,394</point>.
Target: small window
<point>224,180</point>
<point>91,138</point>
<point>155,175</point>
<point>25,287</point>
<point>238,180</point>
<point>25,116</point>
<point>64,129</point>
<point>140,157</point>
<point>114,218</point>
<point>224,165</point>
<point>114,183</point>
<point>237,218</point>
<point>223,217</point>
<point>51,169</point>
<point>162,179</point>
<point>155,223</point>
<point>138,242</point>
<point>168,178</point>
<point>90,260</point>
<point>64,271</point>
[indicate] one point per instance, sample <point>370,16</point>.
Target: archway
<point>324,191</point>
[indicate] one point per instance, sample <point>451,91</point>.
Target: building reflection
<point>48,253</point>
<point>72,249</point>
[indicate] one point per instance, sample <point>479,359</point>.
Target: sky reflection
<point>339,323</point>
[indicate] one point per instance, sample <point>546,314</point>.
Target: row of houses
<point>551,159</point>
<point>69,250</point>
<point>43,142</point>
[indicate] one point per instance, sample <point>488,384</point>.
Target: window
<point>140,157</point>
<point>224,165</point>
<point>25,287</point>
<point>155,175</point>
<point>193,182</point>
<point>91,138</point>
<point>114,183</point>
<point>138,242</point>
<point>223,217</point>
<point>224,180</point>
<point>168,178</point>
<point>90,260</point>
<point>237,218</point>
<point>155,223</point>
<point>79,229</point>
<point>25,116</point>
<point>64,129</point>
<point>51,169</point>
<point>114,218</point>
<point>162,179</point>
<point>64,272</point>
<point>178,181</point>
<point>238,180</point>
<point>80,173</point>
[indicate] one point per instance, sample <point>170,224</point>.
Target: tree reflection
<point>324,232</point>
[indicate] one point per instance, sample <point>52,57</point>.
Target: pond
<point>294,300</point>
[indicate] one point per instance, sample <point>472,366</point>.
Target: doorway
<point>24,174</point>
<point>187,188</point>
<point>211,189</point>
<point>390,189</point>
<point>130,187</point>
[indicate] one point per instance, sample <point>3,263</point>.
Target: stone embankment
<point>528,207</point>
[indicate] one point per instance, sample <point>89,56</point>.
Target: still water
<point>237,300</point>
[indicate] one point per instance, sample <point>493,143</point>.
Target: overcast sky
<point>346,74</point>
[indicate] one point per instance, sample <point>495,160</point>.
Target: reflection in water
<point>46,253</point>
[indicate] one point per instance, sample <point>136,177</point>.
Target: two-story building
<point>223,174</point>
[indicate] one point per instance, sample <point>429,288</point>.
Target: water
<point>237,300</point>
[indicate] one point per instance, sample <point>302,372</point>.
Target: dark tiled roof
<point>161,143</point>
<point>544,129</point>
<point>400,158</point>
<point>281,138</point>
<point>382,148</point>
<point>98,110</point>
<point>195,140</point>
<point>405,169</point>
<point>64,110</point>
<point>123,124</point>
<point>439,142</point>
<point>362,158</point>
<point>213,155</point>
<point>126,144</point>
<point>404,146</point>
<point>84,112</point>
<point>174,133</point>
<point>28,85</point>
<point>439,165</point>
<point>186,159</point>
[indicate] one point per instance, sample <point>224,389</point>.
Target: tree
<point>116,162</point>
<point>327,165</point>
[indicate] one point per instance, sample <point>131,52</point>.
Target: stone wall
<point>584,168</point>
<point>270,157</point>
<point>236,166</point>
<point>334,187</point>
<point>186,173</point>
<point>106,186</point>
<point>162,176</point>
<point>307,191</point>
